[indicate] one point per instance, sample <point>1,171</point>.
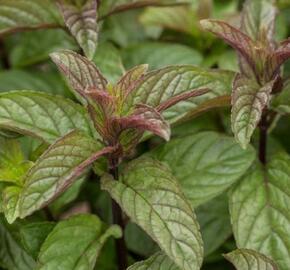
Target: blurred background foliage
<point>159,36</point>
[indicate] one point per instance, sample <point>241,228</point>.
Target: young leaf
<point>10,200</point>
<point>161,85</point>
<point>41,115</point>
<point>16,15</point>
<point>57,169</point>
<point>158,261</point>
<point>248,101</point>
<point>151,197</point>
<point>12,255</point>
<point>75,243</point>
<point>33,235</point>
<point>235,38</point>
<point>12,162</point>
<point>82,22</point>
<point>258,20</point>
<point>144,118</point>
<point>81,73</point>
<point>246,259</point>
<point>259,210</point>
<point>205,164</point>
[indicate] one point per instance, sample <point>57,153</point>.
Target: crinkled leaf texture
<point>150,195</point>
<point>12,255</point>
<point>205,164</point>
<point>81,73</point>
<point>57,169</point>
<point>41,115</point>
<point>159,86</point>
<point>158,261</point>
<point>246,259</point>
<point>259,207</point>
<point>248,101</point>
<point>82,22</point>
<point>16,15</point>
<point>75,243</point>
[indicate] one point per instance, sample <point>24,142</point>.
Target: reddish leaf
<point>81,73</point>
<point>235,38</point>
<point>145,118</point>
<point>82,22</point>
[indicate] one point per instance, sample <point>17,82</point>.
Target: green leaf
<point>12,255</point>
<point>75,243</point>
<point>181,19</point>
<point>16,15</point>
<point>109,61</point>
<point>10,199</point>
<point>159,55</point>
<point>57,169</point>
<point>215,224</point>
<point>41,115</point>
<point>248,101</point>
<point>12,162</point>
<point>34,47</point>
<point>33,80</point>
<point>281,102</point>
<point>245,259</point>
<point>259,210</point>
<point>138,241</point>
<point>33,235</point>
<point>205,164</point>
<point>258,20</point>
<point>82,23</point>
<point>159,261</point>
<point>79,71</point>
<point>151,197</point>
<point>160,85</point>
<point>68,196</point>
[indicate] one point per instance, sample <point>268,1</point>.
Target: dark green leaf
<point>17,15</point>
<point>205,164</point>
<point>75,243</point>
<point>12,255</point>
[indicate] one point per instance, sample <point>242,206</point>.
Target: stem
<point>263,138</point>
<point>121,248</point>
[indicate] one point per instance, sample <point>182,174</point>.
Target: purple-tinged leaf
<point>101,106</point>
<point>248,101</point>
<point>81,73</point>
<point>159,86</point>
<point>82,22</point>
<point>184,96</point>
<point>57,169</point>
<point>234,37</point>
<point>279,57</point>
<point>144,118</point>
<point>258,21</point>
<point>128,82</point>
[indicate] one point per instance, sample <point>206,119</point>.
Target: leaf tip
<point>205,24</point>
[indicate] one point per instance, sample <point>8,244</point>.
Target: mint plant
<point>110,163</point>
